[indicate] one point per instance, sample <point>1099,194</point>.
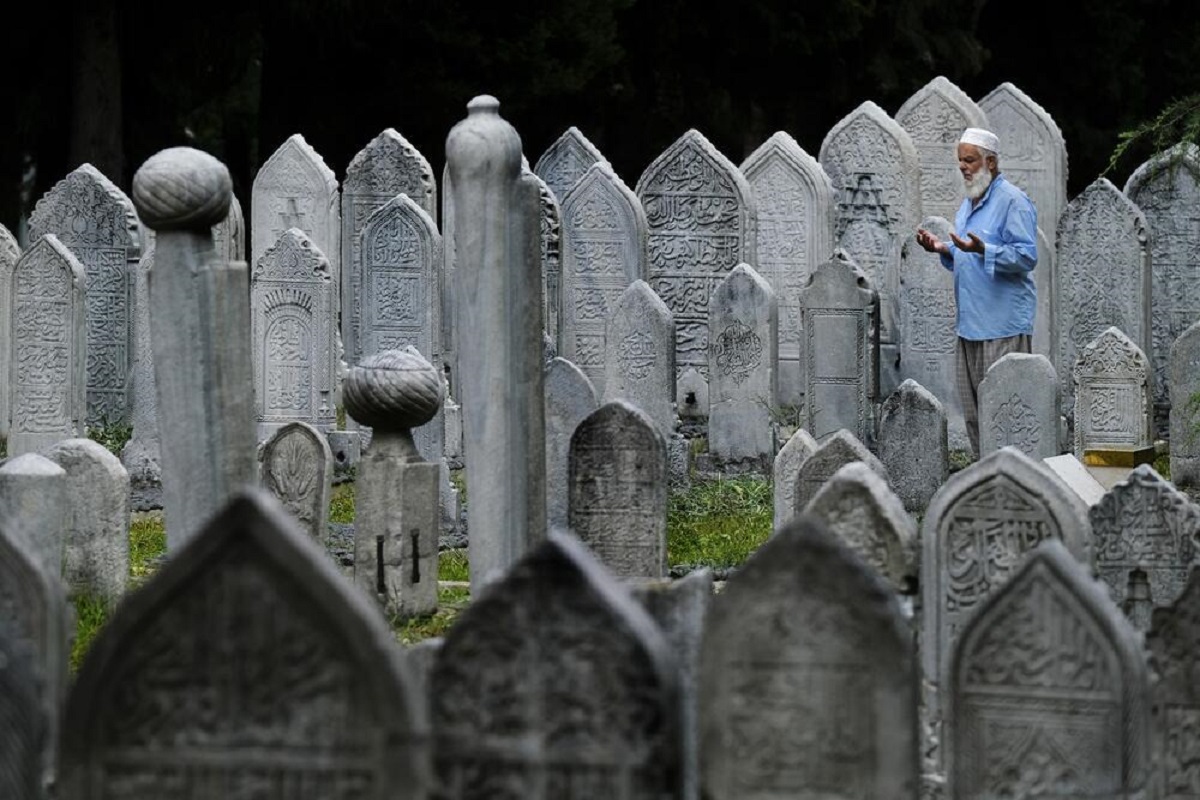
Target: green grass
<point>452,565</point>
<point>90,615</point>
<point>451,601</point>
<point>719,523</point>
<point>341,507</point>
<point>113,437</point>
<point>1162,465</point>
<point>147,542</point>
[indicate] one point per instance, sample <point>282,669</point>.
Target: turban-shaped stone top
<point>393,390</point>
<point>182,188</point>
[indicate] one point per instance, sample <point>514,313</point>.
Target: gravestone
<point>570,399</point>
<point>1048,690</point>
<point>1045,326</point>
<point>808,684</point>
<point>929,327</point>
<point>935,117</point>
<point>1167,190</point>
<point>604,251</point>
<point>1018,406</point>
<point>296,467</point>
<point>555,685</point>
<point>691,391</point>
<point>618,490</point>
<point>1103,275</point>
<point>293,327</point>
<point>95,221</point>
<point>1113,405</point>
<point>449,281</point>
<point>10,253</point>
<point>566,161</point>
<point>251,595</point>
<point>1144,535</point>
<point>785,473</point>
<point>1185,408</point>
<point>640,355</point>
<point>835,452</point>
<point>859,508</point>
<point>1033,153</point>
<point>875,170</point>
<point>47,384</point>
<point>550,243</point>
<point>913,445</point>
<point>795,200</point>
<point>1173,646</point>
<point>701,218</point>
<point>95,561</point>
<point>841,350</point>
<point>743,327</point>
<point>33,504</point>
<point>141,454</point>
<point>22,718</point>
<point>229,235</point>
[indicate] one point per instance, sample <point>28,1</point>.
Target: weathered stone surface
<point>141,454</point>
<point>1185,410</point>
<point>95,221</point>
<point>913,444</point>
<point>929,327</point>
<point>566,161</point>
<point>23,719</point>
<point>808,684</point>
<point>47,383</point>
<point>550,248</point>
<point>743,327</point>
<point>795,200</point>
<point>297,469</point>
<point>558,654</point>
<point>1103,275</point>
<point>1045,278</point>
<point>691,392</point>
<point>33,503</point>
<point>701,218</point>
<point>96,553</point>
<point>1173,645</point>
<point>640,355</point>
<point>618,490</point>
<point>1112,394</point>
<point>9,254</point>
<point>1144,534</point>
<point>785,473</point>
<point>338,717</point>
<point>841,350</point>
<point>835,452</point>
<point>1075,476</point>
<point>1049,690</point>
<point>1018,406</point>
<point>935,117</point>
<point>229,235</point>
<point>570,399</point>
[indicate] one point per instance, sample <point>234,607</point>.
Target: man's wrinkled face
<point>974,169</point>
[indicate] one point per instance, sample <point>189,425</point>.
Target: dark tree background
<point>113,82</point>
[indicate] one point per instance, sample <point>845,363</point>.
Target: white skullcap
<point>981,138</point>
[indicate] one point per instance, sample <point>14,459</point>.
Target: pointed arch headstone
<point>295,189</point>
<point>1019,406</point>
<point>296,467</point>
<point>913,444</point>
<point>570,399</point>
<point>640,355</point>
<point>566,161</point>
<point>835,452</point>
<point>785,472</point>
<point>1173,646</point>
<point>10,253</point>
<point>1113,405</point>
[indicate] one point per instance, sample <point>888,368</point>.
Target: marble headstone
<point>570,399</point>
<point>1045,279</point>
<point>550,242</point>
<point>1173,646</point>
<point>9,254</point>
<point>296,467</point>
<point>640,355</point>
<point>1113,406</point>
<point>1185,408</point>
<point>1018,406</point>
<point>566,161</point>
<point>141,455</point>
<point>913,444</point>
<point>786,471</point>
<point>835,452</point>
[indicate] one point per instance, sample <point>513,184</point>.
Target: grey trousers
<point>974,358</point>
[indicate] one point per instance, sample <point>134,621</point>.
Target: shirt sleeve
<point>1016,252</point>
<point>948,256</point>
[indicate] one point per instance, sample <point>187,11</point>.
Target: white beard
<point>977,184</point>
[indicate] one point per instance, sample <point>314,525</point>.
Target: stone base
<point>1120,456</point>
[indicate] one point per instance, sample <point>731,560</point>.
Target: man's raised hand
<point>972,244</point>
<point>930,242</point>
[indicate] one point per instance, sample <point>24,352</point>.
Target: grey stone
<point>785,473</point>
<point>691,391</point>
<point>566,161</point>
<point>913,444</point>
<point>1144,534</point>
<point>935,117</point>
<point>95,221</point>
<point>1018,406</point>
<point>794,199</point>
<point>1173,646</point>
<point>835,452</point>
<point>841,350</point>
<point>743,340</point>
<point>570,399</point>
<point>421,658</point>
<point>48,376</point>
<point>250,618</point>
<point>229,235</point>
<point>96,553</point>
<point>1045,276</point>
<point>1048,690</point>
<point>1075,476</point>
<point>555,653</point>
<point>1113,405</point>
<point>808,681</point>
<point>1103,275</point>
<point>497,295</point>
<point>202,366</point>
<point>604,251</point>
<point>141,455</point>
<point>550,241</point>
<point>618,490</point>
<point>449,281</point>
<point>297,469</point>
<point>929,327</point>
<point>33,502</point>
<point>346,447</point>
<point>640,355</point>
<point>10,253</point>
<point>1185,408</point>
<point>701,218</point>
<point>23,718</point>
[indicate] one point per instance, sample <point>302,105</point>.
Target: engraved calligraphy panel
<point>566,161</point>
<point>1112,402</point>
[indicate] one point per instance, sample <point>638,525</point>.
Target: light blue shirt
<point>994,291</point>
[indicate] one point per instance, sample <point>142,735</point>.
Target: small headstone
<point>1185,408</point>
<point>618,490</point>
<point>96,555</point>
<point>48,340</point>
<point>913,444</point>
<point>1112,395</point>
<point>33,504</point>
<point>604,251</point>
<point>835,452</point>
<point>640,355</point>
<point>785,473</point>
<point>1173,646</point>
<point>743,327</point>
<point>808,681</point>
<point>297,469</point>
<point>1048,690</point>
<point>22,718</point>
<point>841,350</point>
<point>1018,406</point>
<point>795,202</point>
<point>555,653</point>
<point>1075,476</point>
<point>566,161</point>
<point>570,399</point>
<point>9,255</point>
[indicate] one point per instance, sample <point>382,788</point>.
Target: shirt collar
<point>988,192</point>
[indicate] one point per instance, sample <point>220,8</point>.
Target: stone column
<point>200,331</point>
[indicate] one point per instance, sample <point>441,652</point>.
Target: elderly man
<point>992,255</point>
